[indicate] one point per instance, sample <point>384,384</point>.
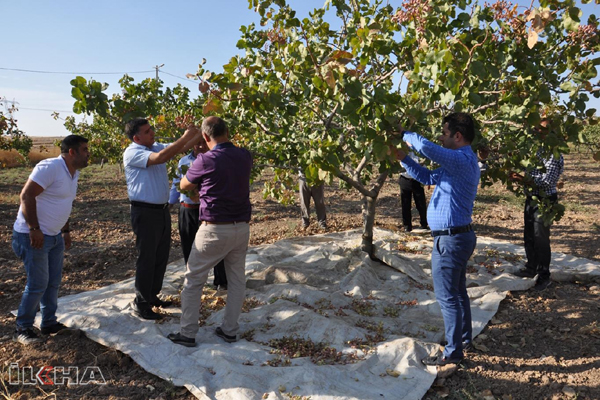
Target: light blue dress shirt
<point>456,181</point>
<point>148,184</point>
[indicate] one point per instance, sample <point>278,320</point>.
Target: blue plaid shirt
<point>546,177</point>
<point>456,181</point>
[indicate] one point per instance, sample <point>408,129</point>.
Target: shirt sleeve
<point>136,157</point>
<point>451,160</point>
<point>44,174</point>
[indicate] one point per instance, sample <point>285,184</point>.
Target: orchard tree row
<point>325,93</point>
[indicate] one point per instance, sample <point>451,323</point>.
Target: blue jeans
<point>448,268</point>
<point>44,273</point>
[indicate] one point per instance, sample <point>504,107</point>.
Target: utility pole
<point>157,68</point>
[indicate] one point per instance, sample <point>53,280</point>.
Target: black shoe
<point>182,340</point>
<point>467,346</point>
<point>161,303</point>
<point>407,228</point>
<point>525,273</point>
<point>227,338</point>
<point>440,360</point>
<point>26,336</point>
<point>145,312</point>
<point>51,330</point>
<point>542,284</point>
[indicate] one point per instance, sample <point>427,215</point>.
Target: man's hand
<point>515,177</point>
<point>36,238</point>
<point>67,239</point>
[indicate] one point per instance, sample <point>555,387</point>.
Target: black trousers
<point>189,222</point>
<point>409,189</point>
<point>537,240</point>
<point>152,228</point>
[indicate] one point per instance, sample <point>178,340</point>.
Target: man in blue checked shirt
<point>449,217</point>
<point>539,183</point>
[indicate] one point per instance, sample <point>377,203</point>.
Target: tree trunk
<point>368,211</point>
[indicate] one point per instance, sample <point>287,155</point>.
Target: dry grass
<point>43,147</point>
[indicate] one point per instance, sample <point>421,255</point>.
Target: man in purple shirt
<point>222,176</point>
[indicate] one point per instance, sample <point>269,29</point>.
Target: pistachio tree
<point>325,93</point>
<point>169,110</point>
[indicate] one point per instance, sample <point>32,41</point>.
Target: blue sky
<point>113,36</point>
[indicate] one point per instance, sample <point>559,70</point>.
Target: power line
<point>44,109</point>
<point>74,73</point>
<point>178,77</point>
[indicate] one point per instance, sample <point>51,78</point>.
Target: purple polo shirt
<point>223,178</point>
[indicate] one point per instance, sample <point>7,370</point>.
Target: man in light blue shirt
<point>148,190</point>
<point>449,216</point>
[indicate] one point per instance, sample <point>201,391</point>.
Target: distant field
<point>43,147</point>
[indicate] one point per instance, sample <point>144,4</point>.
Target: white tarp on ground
<point>321,288</point>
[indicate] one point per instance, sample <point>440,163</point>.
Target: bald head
<point>215,128</point>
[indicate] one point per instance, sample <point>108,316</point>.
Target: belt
<point>223,223</point>
<point>149,205</point>
<point>453,231</point>
<point>186,205</point>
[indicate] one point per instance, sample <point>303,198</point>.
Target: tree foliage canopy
<point>11,137</point>
<point>325,93</point>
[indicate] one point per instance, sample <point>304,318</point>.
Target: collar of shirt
<point>224,145</point>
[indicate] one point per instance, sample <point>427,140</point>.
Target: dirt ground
<point>539,346</point>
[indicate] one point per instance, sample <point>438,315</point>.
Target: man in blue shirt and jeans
<point>449,217</point>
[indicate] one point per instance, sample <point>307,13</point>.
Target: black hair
<point>133,126</point>
<point>463,123</point>
<point>71,142</point>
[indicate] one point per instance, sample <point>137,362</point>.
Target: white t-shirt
<point>55,202</point>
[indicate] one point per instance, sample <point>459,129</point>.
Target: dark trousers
<point>152,228</point>
<point>537,240</point>
<point>189,222</point>
<point>409,189</point>
<point>318,195</point>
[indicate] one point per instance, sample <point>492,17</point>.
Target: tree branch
<point>355,184</point>
<point>265,129</point>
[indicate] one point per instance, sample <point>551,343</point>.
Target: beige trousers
<point>214,243</point>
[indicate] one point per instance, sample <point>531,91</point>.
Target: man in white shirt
<point>41,234</point>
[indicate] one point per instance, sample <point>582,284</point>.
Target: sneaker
<point>182,340</point>
<point>145,313</point>
<point>440,360</point>
<point>53,329</point>
<point>227,338</point>
<point>26,336</point>
<point>162,303</point>
<point>525,273</point>
<point>542,284</point>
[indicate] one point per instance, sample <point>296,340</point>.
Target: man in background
<point>411,188</point>
<point>41,234</point>
<point>540,186</point>
<point>317,193</point>
<point>148,191</point>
